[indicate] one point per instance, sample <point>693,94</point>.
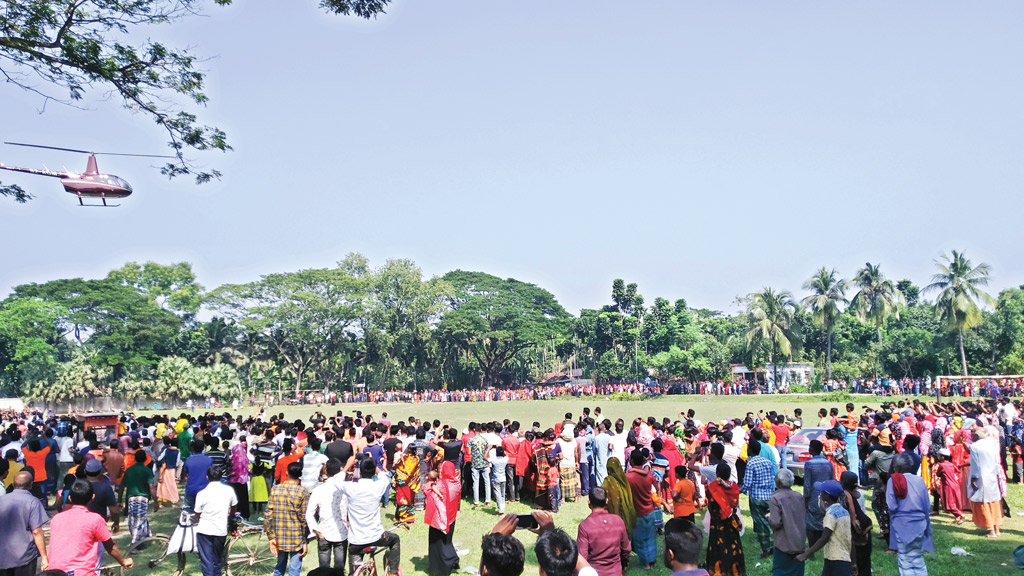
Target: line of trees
<point>136,334</point>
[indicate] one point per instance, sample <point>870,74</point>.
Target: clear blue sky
<point>702,150</point>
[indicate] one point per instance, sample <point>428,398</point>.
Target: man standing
<point>601,443</point>
<point>910,531</point>
<point>103,501</point>
<point>782,432</point>
<point>817,469</point>
<point>285,521</point>
<point>194,471</point>
<point>214,505</point>
<point>602,539</point>
<point>364,526</point>
<point>787,518</point>
<point>139,490</point>
<point>75,534</point>
<point>325,516</point>
<point>641,485</point>
<point>22,516</point>
<point>758,482</point>
<point>478,447</point>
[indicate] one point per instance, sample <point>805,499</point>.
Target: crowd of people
<point>324,481</point>
<point>993,387</point>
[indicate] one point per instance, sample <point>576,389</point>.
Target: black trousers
<point>388,540</point>
<point>326,549</point>
<point>242,494</point>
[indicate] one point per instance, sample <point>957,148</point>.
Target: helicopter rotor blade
<point>136,155</point>
<point>48,147</point>
<point>89,152</point>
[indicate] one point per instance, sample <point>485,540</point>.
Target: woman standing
<point>167,476</point>
<point>442,501</point>
<point>833,446</point>
<point>238,476</point>
<point>983,488</point>
<point>960,455</point>
<point>725,551</point>
<point>620,497</point>
<point>406,484</point>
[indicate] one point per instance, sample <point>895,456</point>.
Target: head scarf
<point>726,495</point>
<point>442,498</point>
<point>899,485</point>
<point>620,497</point>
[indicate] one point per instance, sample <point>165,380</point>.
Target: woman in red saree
<point>725,550</point>
<point>442,500</point>
<point>960,455</point>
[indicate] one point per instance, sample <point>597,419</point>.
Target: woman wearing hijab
<point>442,500</point>
<point>983,487</point>
<point>725,550</point>
<point>620,497</point>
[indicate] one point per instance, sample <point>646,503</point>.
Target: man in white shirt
<point>325,515</point>
<point>617,445</point>
<point>312,464</point>
<point>364,526</point>
<point>214,505</point>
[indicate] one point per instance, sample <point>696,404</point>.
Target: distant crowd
<point>327,479</point>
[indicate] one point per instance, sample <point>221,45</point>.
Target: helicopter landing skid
<point>104,205</point>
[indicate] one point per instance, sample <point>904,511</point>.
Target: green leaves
<point>63,49</point>
<point>495,319</point>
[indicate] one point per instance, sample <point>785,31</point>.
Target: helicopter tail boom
<point>35,171</point>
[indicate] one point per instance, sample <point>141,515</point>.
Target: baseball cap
<point>830,487</point>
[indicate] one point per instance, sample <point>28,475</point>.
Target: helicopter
<point>89,184</point>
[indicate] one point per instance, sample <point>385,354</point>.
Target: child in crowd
<point>258,493</point>
<point>684,496</point>
<point>836,536</point>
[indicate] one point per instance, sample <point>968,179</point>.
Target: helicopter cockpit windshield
<point>119,182</point>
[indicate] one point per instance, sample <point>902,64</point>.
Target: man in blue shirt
<point>194,471</point>
<point>758,484</point>
<point>601,441</point>
<point>817,469</point>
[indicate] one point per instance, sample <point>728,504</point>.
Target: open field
<point>990,556</point>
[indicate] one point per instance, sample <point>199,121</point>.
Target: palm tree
<point>770,317</point>
<point>828,296</point>
<point>959,283</point>
<point>877,299</point>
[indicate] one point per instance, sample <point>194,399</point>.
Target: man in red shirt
<point>76,531</point>
<point>782,432</point>
<point>648,516</point>
<point>511,445</point>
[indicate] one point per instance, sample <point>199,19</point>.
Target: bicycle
<point>247,553</point>
<point>368,567</point>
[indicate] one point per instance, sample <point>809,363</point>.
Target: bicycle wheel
<point>151,552</point>
<point>249,555</point>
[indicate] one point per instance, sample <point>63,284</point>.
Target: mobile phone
<point>526,522</point>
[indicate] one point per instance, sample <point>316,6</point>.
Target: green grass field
<point>990,556</point>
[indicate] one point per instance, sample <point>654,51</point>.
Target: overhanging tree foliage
<point>62,49</point>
